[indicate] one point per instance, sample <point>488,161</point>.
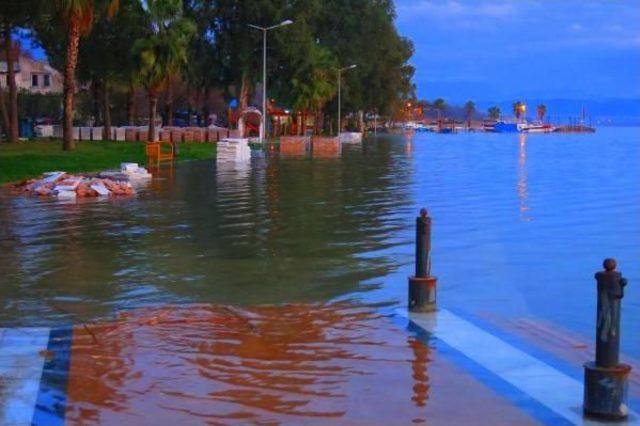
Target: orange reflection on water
<point>290,364</point>
<point>523,186</point>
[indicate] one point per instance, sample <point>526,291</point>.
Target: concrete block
<point>97,133</point>
<point>130,134</point>
<point>326,147</point>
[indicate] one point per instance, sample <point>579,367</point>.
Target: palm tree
<point>315,83</point>
<point>78,16</point>
<point>541,111</point>
<point>440,105</point>
<point>518,109</point>
<point>469,111</point>
<point>494,112</point>
<point>163,51</point>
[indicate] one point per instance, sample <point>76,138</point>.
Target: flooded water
<point>271,293</point>
<point>521,223</point>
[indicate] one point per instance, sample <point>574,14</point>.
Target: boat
<point>576,128</point>
<point>538,128</point>
<point>489,125</point>
<point>509,127</point>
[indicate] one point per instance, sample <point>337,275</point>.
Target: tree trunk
<point>69,85</point>
<point>205,107</point>
<point>245,91</point>
<point>153,103</point>
<point>95,91</point>
<point>130,105</point>
<point>361,121</point>
<point>3,113</point>
<point>169,102</point>
<point>12,131</point>
<point>107,110</point>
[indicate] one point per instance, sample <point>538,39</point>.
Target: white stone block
<point>119,133</point>
<point>85,133</point>
<point>97,133</point>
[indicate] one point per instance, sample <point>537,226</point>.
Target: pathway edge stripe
<point>511,364</point>
<point>20,349</point>
<point>51,403</point>
<point>502,389</point>
<point>576,371</point>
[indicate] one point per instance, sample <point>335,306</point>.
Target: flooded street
<point>274,293</point>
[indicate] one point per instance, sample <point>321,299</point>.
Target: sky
<point>499,50</point>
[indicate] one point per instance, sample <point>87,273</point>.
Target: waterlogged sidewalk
<point>293,364</point>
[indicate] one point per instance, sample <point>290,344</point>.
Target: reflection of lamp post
<point>350,67</point>
<point>264,69</point>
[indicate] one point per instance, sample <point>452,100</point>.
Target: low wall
<point>132,134</point>
<point>329,147</point>
<point>294,145</point>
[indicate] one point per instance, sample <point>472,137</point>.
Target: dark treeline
<point>202,53</point>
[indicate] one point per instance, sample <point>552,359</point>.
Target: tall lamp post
<point>264,69</point>
<point>340,71</point>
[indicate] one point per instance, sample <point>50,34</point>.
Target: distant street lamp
<point>264,69</point>
<point>340,71</point>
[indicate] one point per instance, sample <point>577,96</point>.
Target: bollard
<point>605,380</point>
<point>422,286</point>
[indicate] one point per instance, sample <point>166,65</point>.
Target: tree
<point>105,57</point>
<point>162,51</point>
<point>363,32</point>
<point>494,112</point>
<point>78,16</point>
<point>315,83</point>
<point>13,15</point>
<point>440,105</point>
<point>469,111</point>
<point>541,111</point>
<point>518,109</point>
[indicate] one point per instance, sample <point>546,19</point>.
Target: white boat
<point>538,128</point>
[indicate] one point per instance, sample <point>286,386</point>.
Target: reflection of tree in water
<point>286,229</point>
<point>297,364</point>
<point>99,371</point>
<point>289,229</point>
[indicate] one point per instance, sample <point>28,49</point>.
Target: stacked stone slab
<point>233,150</point>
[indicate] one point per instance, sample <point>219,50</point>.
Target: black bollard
<point>605,381</point>
<point>422,286</point>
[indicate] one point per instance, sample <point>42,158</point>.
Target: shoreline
<point>30,159</point>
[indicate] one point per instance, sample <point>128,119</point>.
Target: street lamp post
<point>350,67</point>
<point>264,69</point>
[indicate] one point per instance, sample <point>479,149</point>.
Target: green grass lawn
<point>30,159</point>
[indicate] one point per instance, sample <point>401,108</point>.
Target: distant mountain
<point>607,111</point>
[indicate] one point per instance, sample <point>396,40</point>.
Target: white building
<point>33,76</point>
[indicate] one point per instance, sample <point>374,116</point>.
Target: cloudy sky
<point>495,50</point>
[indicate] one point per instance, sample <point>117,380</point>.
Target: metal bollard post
<point>605,380</point>
<point>422,286</point>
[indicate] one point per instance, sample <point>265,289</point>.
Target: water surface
<point>521,223</point>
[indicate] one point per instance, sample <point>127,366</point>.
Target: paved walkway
<point>292,364</point>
